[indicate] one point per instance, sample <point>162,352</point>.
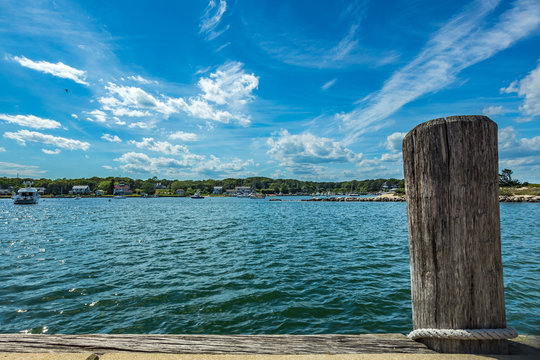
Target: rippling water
<point>228,266</point>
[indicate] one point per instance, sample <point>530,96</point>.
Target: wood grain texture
<point>451,182</point>
<point>214,344</point>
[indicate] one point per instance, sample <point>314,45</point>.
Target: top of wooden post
<point>447,120</point>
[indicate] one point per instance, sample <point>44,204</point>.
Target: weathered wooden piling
<point>451,182</point>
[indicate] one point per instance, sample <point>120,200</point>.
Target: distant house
<point>384,187</point>
<point>122,189</point>
<point>41,190</point>
<point>5,192</point>
<point>80,190</point>
<point>242,190</point>
<point>239,191</point>
<point>180,192</point>
<point>159,186</point>
<point>99,192</point>
<point>218,190</point>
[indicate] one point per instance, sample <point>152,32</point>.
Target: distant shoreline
<point>380,198</point>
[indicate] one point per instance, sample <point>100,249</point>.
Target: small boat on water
<point>197,195</point>
<point>26,195</point>
<point>78,197</point>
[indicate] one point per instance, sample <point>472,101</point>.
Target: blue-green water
<point>228,266</point>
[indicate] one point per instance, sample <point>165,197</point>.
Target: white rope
<point>464,334</point>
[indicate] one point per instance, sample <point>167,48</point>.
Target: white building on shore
<point>80,190</point>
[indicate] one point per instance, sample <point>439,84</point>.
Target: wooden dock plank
<point>214,344</point>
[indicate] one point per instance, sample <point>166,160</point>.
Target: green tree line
<point>260,184</point>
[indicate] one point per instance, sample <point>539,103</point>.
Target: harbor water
<point>229,266</point>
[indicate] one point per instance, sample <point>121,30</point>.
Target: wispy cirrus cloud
<point>22,136</point>
<point>59,69</point>
<point>464,41</point>
<point>529,89</point>
<point>30,121</point>
<point>329,84</point>
<point>296,50</point>
<point>211,19</point>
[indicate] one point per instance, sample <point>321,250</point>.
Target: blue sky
<point>314,90</point>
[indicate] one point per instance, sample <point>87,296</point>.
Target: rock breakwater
<point>393,198</point>
<point>384,198</point>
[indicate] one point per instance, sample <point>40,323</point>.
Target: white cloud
<point>215,166</point>
<point>97,116</point>
<point>59,69</point>
<point>142,80</point>
<point>132,98</point>
<point>30,121</point>
<point>493,110</point>
<point>224,96</point>
<point>305,152</point>
<point>329,84</point>
<point>464,41</point>
<point>203,110</point>
<point>163,147</point>
<point>522,155</point>
<point>140,125</point>
<point>139,162</point>
<point>2,149</point>
<point>74,116</point>
<point>108,167</point>
<point>13,169</point>
<point>211,19</point>
<point>229,85</point>
<point>393,141</point>
<point>22,136</point>
<point>129,113</point>
<point>529,89</point>
<point>111,138</point>
<point>184,136</point>
<point>187,165</point>
<point>511,144</point>
<point>51,152</point>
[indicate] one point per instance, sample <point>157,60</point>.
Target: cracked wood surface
<point>214,344</point>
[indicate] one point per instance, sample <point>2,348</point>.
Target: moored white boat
<point>26,195</point>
